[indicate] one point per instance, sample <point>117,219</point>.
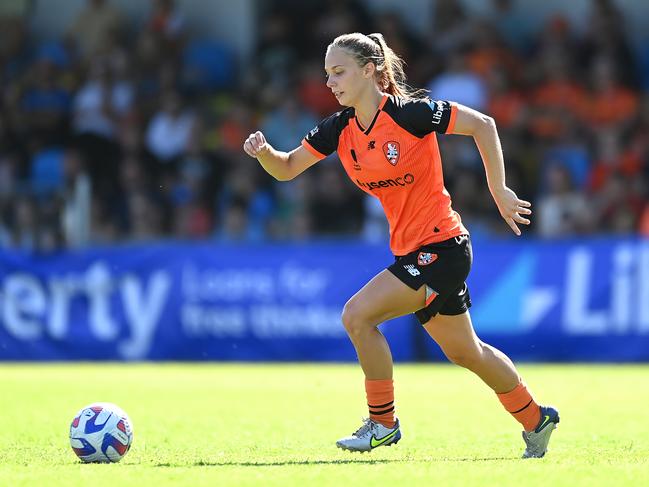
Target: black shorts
<point>443,268</point>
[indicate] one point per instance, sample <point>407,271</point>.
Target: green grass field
<point>216,424</point>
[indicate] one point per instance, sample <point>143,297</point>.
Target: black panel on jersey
<point>324,137</point>
<point>420,117</point>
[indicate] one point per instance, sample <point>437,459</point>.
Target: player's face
<point>344,77</point>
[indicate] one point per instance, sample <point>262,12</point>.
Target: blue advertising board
<point>568,300</point>
<point>182,302</point>
<point>586,301</point>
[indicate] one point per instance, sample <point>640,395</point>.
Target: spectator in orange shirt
<point>506,105</point>
<point>609,104</point>
<point>487,51</point>
<point>556,100</point>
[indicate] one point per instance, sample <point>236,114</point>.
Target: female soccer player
<point>386,140</point>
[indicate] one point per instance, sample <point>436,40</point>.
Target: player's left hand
<point>511,208</point>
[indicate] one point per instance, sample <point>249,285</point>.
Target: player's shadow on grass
<point>284,463</point>
<point>367,461</point>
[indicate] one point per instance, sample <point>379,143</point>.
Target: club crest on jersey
<point>426,258</point>
<point>391,151</point>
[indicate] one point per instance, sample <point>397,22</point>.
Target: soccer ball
<point>101,432</point>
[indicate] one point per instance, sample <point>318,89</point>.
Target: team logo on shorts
<point>391,152</point>
<point>426,258</point>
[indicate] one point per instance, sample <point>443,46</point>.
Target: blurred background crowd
<point>121,131</point>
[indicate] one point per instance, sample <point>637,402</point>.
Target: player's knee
<point>352,319</point>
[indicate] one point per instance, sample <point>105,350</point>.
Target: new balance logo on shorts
<point>412,270</point>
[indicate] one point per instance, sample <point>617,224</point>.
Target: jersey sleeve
<point>322,140</point>
<point>425,116</point>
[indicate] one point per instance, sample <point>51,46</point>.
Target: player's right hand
<point>511,208</point>
<point>256,145</point>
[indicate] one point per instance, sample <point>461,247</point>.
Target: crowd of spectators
<point>116,134</point>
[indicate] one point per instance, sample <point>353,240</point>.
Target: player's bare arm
<point>483,129</point>
<point>279,164</point>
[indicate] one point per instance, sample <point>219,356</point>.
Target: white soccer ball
<point>101,432</point>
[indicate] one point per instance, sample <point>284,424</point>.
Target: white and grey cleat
<point>371,435</point>
<point>536,441</point>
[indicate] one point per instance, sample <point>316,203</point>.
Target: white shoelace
<point>368,425</point>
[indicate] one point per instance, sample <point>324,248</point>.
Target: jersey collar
<point>376,115</point>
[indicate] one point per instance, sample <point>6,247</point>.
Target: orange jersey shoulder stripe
<point>312,150</point>
<point>451,122</point>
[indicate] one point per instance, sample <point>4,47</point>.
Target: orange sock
<point>520,404</point>
<point>380,400</point>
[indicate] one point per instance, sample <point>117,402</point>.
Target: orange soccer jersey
<point>396,159</point>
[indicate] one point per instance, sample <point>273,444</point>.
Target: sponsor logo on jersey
<point>426,258</point>
<point>391,152</point>
<point>387,183</point>
<point>438,110</point>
